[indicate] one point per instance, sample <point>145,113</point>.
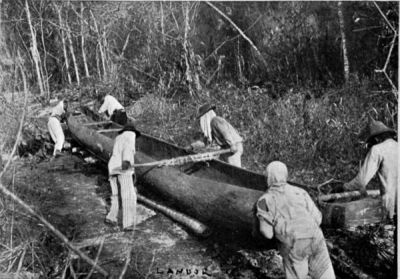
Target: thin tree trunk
<point>346,64</point>
<point>162,22</point>
<point>104,53</point>
<point>99,41</point>
<point>83,45</point>
<point>188,74</point>
<point>46,74</point>
<point>71,49</point>
<point>98,64</point>
<point>63,43</point>
<point>34,50</point>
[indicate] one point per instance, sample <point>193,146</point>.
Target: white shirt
<point>123,150</point>
<point>110,104</point>
<point>382,159</point>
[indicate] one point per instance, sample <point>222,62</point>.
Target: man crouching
<point>288,213</point>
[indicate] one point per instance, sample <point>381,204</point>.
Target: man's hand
<point>347,187</point>
<point>234,148</point>
<point>188,148</point>
<point>364,192</point>
<point>125,165</point>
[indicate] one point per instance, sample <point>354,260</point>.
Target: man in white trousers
<point>58,114</point>
<point>122,158</point>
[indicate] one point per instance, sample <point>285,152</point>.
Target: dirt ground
<point>73,195</point>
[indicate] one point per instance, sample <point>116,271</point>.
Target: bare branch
<point>233,38</point>
<point>384,17</point>
<point>240,31</point>
<point>392,43</point>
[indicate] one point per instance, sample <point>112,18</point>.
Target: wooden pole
<point>178,160</point>
<point>352,194</point>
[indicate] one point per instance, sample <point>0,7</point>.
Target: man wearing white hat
<point>382,159</point>
<point>122,158</point>
<point>217,129</point>
<point>58,114</point>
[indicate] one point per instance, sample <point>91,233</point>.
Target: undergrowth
<point>318,137</point>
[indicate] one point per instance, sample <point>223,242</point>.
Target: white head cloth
<point>277,174</point>
<point>205,124</point>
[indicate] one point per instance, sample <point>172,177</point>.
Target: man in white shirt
<point>58,114</point>
<point>382,159</point>
<point>217,130</point>
<point>123,158</point>
<point>113,109</point>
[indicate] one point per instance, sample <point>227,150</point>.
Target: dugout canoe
<point>213,192</point>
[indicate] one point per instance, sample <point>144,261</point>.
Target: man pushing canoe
<point>216,129</point>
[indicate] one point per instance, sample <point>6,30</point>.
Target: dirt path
<point>73,195</point>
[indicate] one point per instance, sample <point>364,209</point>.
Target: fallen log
<point>195,226</point>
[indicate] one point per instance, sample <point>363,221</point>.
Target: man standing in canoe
<point>58,114</point>
<point>122,158</point>
<point>288,213</point>
<point>382,159</point>
<point>217,129</point>
<point>113,109</point>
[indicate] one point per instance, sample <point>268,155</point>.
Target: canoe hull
<point>217,203</point>
<point>213,192</point>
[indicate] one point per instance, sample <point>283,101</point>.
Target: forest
<point>299,80</point>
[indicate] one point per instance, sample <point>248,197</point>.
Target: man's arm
<point>312,208</point>
<point>367,171</point>
<point>265,219</point>
<point>266,229</point>
<point>104,106</point>
<point>224,133</point>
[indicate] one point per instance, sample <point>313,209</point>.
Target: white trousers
<point>128,197</point>
<point>56,133</point>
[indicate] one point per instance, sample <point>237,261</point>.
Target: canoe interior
<point>214,170</point>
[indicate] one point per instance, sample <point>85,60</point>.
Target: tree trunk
<point>98,64</point>
<point>63,42</point>
<point>162,22</point>
<point>100,44</point>
<point>45,75</point>
<point>346,64</point>
<point>188,73</point>
<point>83,45</point>
<point>71,49</point>
<point>34,50</point>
